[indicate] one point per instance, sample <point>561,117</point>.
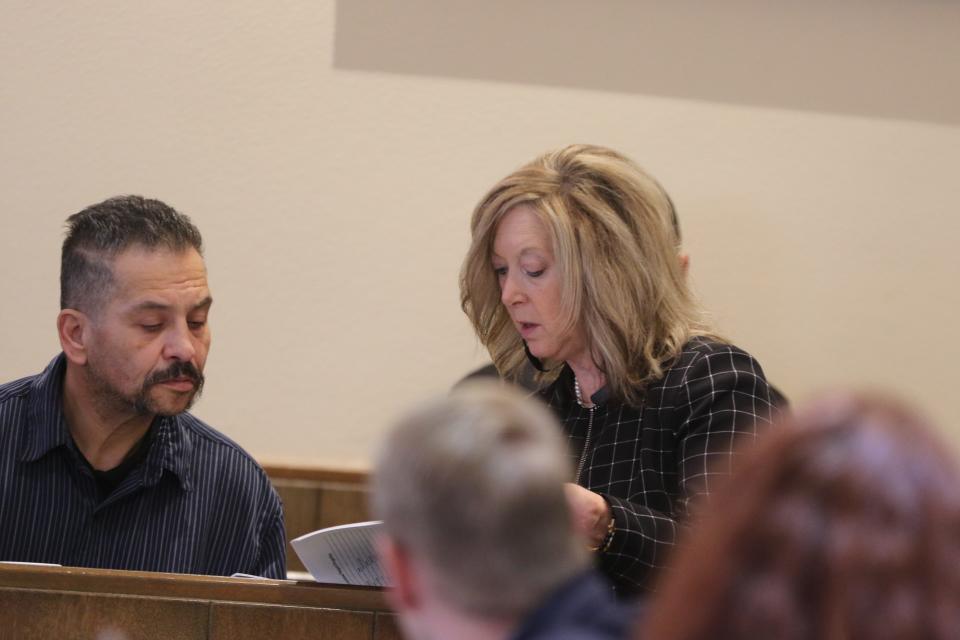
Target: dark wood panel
<point>315,474</point>
<point>342,504</point>
<point>386,627</point>
<point>309,505</point>
<point>301,502</point>
<point>256,622</point>
<point>41,615</point>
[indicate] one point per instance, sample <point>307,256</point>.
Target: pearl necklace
<point>579,396</point>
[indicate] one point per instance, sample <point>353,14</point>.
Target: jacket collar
<point>564,389</point>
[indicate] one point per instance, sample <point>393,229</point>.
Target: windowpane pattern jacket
<point>652,462</point>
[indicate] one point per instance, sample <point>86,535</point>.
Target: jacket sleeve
<point>722,399</point>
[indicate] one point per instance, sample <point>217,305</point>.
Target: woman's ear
<point>73,328</point>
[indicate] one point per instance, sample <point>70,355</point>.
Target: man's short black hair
<point>100,232</point>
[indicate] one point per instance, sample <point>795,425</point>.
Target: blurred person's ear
<point>684,259</point>
<point>400,569</point>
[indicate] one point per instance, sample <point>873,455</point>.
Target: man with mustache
<point>100,463</point>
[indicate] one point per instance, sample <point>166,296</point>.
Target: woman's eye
<point>151,328</point>
<point>500,271</point>
<point>535,274</point>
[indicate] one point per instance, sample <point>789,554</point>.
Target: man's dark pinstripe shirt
<point>197,503</point>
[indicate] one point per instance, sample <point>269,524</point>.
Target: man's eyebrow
<point>153,305</point>
<point>150,305</point>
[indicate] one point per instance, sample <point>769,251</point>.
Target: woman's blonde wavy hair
<point>616,243</point>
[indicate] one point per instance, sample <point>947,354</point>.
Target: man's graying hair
<point>472,485</point>
<point>96,235</point>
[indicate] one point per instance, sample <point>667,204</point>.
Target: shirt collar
<point>47,428</point>
<point>171,449</point>
<point>586,598</point>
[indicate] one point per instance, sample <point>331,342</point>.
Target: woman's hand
<point>590,512</point>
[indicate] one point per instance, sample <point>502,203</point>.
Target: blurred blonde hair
<point>616,242</point>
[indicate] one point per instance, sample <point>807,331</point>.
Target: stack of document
<point>343,554</point>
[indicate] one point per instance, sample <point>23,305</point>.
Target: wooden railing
<point>53,602</point>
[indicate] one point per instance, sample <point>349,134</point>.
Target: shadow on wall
<point>879,58</point>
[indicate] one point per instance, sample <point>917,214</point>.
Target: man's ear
<point>400,570</point>
<point>73,328</point>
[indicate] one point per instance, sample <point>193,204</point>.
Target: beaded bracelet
<point>607,539</point>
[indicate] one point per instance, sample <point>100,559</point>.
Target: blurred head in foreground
<point>843,524</point>
<point>470,489</point>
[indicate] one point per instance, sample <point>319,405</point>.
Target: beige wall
<point>333,190</point>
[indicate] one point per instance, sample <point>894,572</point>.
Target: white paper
<point>342,555</point>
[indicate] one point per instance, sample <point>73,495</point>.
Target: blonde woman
<point>575,267</point>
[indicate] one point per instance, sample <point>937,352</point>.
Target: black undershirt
<point>110,479</point>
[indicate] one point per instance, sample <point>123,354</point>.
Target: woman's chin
<point>543,355</point>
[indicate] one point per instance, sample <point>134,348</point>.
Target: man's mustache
<point>176,370</point>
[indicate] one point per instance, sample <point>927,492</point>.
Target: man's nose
<point>180,344</point>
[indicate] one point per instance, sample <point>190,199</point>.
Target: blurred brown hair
<point>843,523</point>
